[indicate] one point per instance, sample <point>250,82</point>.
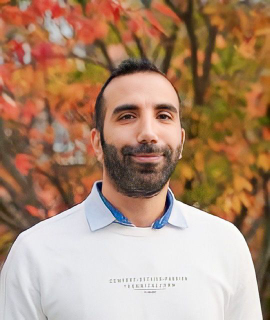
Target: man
<point>130,250</point>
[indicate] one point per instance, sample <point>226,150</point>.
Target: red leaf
<point>42,51</point>
<point>33,210</point>
<point>40,6</point>
<point>88,30</point>
<point>17,47</point>
<point>8,108</point>
<point>162,8</point>
<point>23,163</point>
<point>116,14</point>
<point>154,21</point>
<point>45,50</point>
<point>127,36</point>
<point>29,111</point>
<point>57,11</point>
<point>133,25</point>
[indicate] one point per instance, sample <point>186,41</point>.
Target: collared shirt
<point>100,213</point>
<point>120,218</point>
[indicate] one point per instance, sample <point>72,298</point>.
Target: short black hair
<point>128,66</point>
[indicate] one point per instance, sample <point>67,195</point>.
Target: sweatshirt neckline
<point>134,231</point>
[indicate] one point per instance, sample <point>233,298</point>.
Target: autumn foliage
<point>54,57</point>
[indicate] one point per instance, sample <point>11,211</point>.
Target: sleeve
<point>19,291</point>
<point>244,303</point>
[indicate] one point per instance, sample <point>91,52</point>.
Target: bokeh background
<point>56,54</point>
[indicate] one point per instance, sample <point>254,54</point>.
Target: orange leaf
<point>89,30</point>
<point>256,104</point>
<point>12,14</point>
<point>23,163</point>
<point>266,133</point>
<point>216,146</point>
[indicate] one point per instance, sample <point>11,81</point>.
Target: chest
<point>139,279</point>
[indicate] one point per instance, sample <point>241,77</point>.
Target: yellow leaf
<point>248,172</point>
<point>241,183</point>
<point>263,161</point>
<point>210,9</point>
<point>236,204</point>
<point>187,171</point>
<point>199,161</point>
<point>220,42</point>
<point>262,32</point>
<point>245,199</point>
<point>214,145</point>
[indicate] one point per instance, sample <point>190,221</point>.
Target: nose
<point>147,131</point>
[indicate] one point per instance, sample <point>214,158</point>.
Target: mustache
<point>145,148</point>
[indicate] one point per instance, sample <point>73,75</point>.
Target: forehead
<point>140,88</point>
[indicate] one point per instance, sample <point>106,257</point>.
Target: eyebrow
<point>130,107</point>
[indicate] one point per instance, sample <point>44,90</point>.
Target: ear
<point>96,143</point>
<point>183,136</point>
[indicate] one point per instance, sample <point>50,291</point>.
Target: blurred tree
<point>55,55</point>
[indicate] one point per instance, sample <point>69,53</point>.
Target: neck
<point>142,212</point>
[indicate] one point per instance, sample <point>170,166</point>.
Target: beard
<point>139,180</point>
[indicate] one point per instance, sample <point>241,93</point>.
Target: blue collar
<point>120,218</point>
<point>100,213</point>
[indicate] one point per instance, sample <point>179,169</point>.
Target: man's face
<point>142,133</point>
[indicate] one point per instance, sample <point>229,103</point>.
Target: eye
<point>164,116</point>
<point>127,116</point>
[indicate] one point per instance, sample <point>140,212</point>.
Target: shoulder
<point>51,230</point>
<point>205,223</point>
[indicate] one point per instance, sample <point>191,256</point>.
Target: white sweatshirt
<point>62,270</point>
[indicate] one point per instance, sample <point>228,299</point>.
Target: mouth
<point>147,157</point>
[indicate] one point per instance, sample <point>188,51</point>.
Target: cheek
<point>118,136</point>
<point>172,136</point>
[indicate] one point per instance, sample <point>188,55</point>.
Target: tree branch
<point>58,185</point>
<point>103,49</point>
<point>239,219</point>
<point>264,269</point>
<point>139,46</point>
<point>118,35</point>
<point>212,33</point>
<point>187,17</point>
<point>169,43</point>
<point>8,163</point>
<point>9,188</point>
<point>92,60</point>
<point>17,220</point>
<point>257,223</point>
<point>156,52</point>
